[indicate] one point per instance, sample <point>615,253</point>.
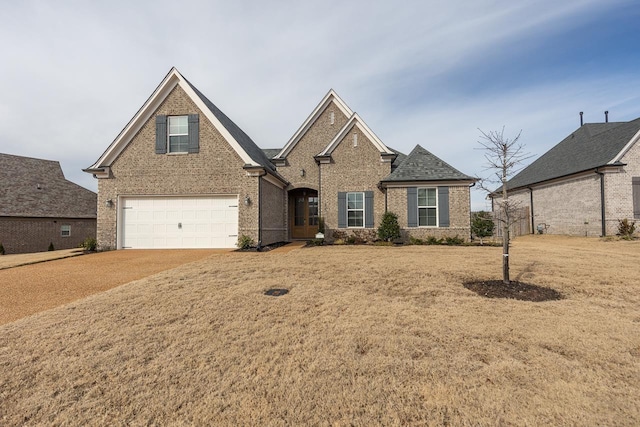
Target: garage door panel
<point>205,222</point>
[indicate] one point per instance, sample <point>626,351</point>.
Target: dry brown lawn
<point>366,336</point>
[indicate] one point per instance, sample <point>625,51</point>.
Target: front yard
<point>365,336</point>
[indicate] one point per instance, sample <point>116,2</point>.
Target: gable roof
<point>237,139</point>
<point>421,165</point>
<point>37,188</point>
<point>355,120</point>
<point>330,97</point>
<point>591,146</point>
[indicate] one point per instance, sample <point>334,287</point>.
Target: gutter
<point>533,226</point>
<point>602,205</point>
<point>473,184</point>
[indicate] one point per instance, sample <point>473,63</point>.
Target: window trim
<point>65,228</point>
<point>363,209</point>
<point>436,207</point>
<point>169,134</point>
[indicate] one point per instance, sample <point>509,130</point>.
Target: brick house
<point>586,184</point>
<point>182,174</point>
<point>38,206</point>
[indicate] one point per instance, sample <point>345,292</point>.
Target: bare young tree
<point>504,158</point>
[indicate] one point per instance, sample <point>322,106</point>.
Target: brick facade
<point>459,212</point>
<point>273,215</point>
<point>215,169</point>
<point>353,168</point>
<point>25,235</point>
<point>572,206</point>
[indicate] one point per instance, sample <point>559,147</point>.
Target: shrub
<point>321,225</point>
<point>351,240</point>
<point>431,240</point>
<point>389,228</point>
<point>51,248</point>
<point>315,242</point>
<point>626,228</point>
<point>415,241</point>
<point>244,242</point>
<point>454,241</point>
<point>90,244</point>
<point>482,225</point>
<point>1,249</point>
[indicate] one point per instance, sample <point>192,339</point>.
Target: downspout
<point>473,184</point>
<point>602,206</point>
<point>259,213</point>
<point>320,192</point>
<point>533,226</point>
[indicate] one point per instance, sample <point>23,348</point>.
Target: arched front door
<point>303,213</point>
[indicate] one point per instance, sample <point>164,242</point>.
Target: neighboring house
<point>182,174</point>
<point>38,206</point>
<point>584,185</point>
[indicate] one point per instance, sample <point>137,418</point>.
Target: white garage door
<point>179,222</point>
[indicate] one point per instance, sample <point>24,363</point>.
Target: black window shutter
<point>412,207</point>
<point>342,210</point>
<point>368,209</point>
<point>194,133</point>
<point>636,197</point>
<point>443,206</point>
<point>161,134</point>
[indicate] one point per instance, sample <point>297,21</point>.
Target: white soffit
<point>173,79</point>
<point>324,103</point>
<point>355,120</point>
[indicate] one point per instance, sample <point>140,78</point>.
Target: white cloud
<point>78,72</point>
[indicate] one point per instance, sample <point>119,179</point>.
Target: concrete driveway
<point>29,289</point>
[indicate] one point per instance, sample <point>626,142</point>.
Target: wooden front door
<point>304,214</point>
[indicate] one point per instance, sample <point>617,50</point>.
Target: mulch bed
<point>514,290</point>
<point>265,248</point>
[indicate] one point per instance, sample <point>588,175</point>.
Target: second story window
<point>178,134</point>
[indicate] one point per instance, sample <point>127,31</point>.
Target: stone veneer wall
<point>216,169</point>
<point>314,141</point>
<point>459,213</point>
<point>352,169</point>
<point>619,191</point>
<point>572,206</point>
<point>274,218</point>
<point>24,235</point>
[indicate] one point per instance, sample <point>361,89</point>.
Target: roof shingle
<point>421,165</point>
<point>37,188</point>
<point>588,147</point>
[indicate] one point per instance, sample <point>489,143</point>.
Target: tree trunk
<point>505,225</point>
<point>505,254</point>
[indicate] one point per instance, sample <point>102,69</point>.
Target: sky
<point>434,73</point>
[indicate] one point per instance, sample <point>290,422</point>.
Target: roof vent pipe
<point>606,117</point>
<point>581,113</point>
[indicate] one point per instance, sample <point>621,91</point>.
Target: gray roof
<point>37,188</point>
<point>588,147</point>
<point>271,152</point>
<point>238,134</point>
<point>398,160</point>
<point>421,165</point>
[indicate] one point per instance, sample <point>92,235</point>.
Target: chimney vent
<point>581,122</point>
<point>606,117</point>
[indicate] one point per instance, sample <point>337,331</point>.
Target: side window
<point>178,138</point>
<point>355,210</point>
<point>177,134</point>
<point>635,181</point>
<point>65,230</point>
<point>427,207</point>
